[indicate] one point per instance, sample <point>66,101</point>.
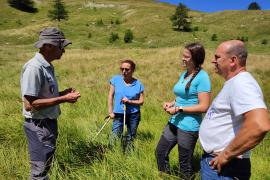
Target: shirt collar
<point>42,60</point>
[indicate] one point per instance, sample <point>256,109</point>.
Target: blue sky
<point>220,5</point>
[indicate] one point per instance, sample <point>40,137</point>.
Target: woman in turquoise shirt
<point>192,93</point>
<point>125,89</point>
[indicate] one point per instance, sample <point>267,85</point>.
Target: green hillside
<point>91,61</point>
<point>148,20</point>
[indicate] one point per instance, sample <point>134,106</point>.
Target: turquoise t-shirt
<point>201,83</point>
<point>122,90</point>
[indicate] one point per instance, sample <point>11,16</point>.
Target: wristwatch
<point>180,109</point>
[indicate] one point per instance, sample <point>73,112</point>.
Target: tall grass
<point>77,155</point>
<point>91,62</point>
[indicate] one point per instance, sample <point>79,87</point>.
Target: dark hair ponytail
<point>193,76</point>
<point>197,56</point>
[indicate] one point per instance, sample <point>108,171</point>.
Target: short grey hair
<point>239,50</point>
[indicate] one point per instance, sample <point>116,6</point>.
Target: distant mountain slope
<point>148,20</point>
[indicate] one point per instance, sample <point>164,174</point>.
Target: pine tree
<point>180,19</point>
<point>254,6</point>
<point>58,12</point>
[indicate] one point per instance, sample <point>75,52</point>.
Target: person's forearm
<point>251,133</point>
<point>110,99</point>
<point>245,140</point>
<point>201,107</point>
<point>110,105</point>
<point>194,109</point>
<point>136,102</point>
<point>110,109</point>
<point>41,103</point>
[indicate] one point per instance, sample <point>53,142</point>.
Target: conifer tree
<point>58,11</point>
<point>180,19</point>
<point>254,6</point>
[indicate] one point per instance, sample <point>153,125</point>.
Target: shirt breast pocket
<point>49,86</point>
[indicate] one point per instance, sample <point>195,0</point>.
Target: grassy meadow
<point>89,63</point>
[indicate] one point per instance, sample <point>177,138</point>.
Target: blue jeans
<point>132,123</point>
<point>235,169</point>
<point>186,141</point>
